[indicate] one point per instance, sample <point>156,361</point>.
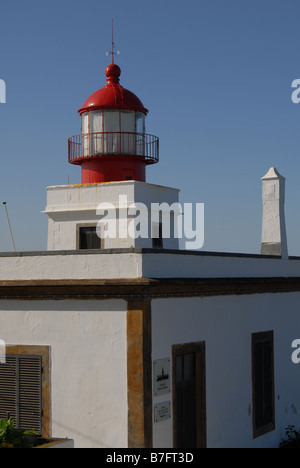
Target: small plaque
<point>162,411</point>
<point>161,373</point>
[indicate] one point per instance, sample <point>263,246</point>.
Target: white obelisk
<point>274,239</point>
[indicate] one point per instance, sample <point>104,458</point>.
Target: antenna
<point>9,226</point>
<point>112,52</point>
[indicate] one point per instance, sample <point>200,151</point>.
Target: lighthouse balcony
<point>109,144</point>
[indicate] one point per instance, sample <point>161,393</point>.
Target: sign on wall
<point>161,376</point>
<point>162,411</point>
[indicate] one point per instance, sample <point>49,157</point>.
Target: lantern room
<point>113,144</point>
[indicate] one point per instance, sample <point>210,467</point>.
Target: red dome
<point>113,95</point>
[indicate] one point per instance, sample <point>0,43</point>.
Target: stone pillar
<point>139,373</point>
<point>274,240</point>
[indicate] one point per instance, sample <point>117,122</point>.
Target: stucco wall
<point>226,325</point>
<point>70,206</point>
<point>189,264</point>
<point>76,265</point>
<point>138,263</point>
<point>88,364</point>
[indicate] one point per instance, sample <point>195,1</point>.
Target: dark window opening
<point>157,241</point>
<point>88,238</point>
<point>263,383</point>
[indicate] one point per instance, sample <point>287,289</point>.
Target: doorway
<point>189,395</point>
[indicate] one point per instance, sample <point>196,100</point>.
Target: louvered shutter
<point>21,391</point>
<point>8,388</point>
<point>30,393</point>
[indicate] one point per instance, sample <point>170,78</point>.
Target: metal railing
<point>103,144</point>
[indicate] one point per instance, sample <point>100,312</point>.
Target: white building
<point>130,342</point>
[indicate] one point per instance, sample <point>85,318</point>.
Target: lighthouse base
<point>115,169</point>
<point>77,209</point>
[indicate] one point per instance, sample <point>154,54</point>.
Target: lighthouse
<point>113,144</point>
<point>113,151</point>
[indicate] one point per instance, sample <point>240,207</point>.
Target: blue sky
<point>215,75</point>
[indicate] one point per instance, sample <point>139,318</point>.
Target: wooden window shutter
<point>21,391</point>
<point>8,388</point>
<point>30,392</point>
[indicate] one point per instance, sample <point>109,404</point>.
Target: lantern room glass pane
<point>140,122</point>
<point>95,122</point>
<point>128,132</point>
<point>111,121</point>
<point>140,131</point>
<point>111,126</point>
<point>127,121</point>
<point>84,131</point>
<point>85,123</point>
<point>96,129</point>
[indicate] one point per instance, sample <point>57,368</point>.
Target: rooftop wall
<point>142,263</point>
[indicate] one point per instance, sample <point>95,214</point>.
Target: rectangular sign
<point>162,411</point>
<point>161,376</point>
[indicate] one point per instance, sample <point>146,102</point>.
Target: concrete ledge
<point>198,253</point>
<point>57,443</point>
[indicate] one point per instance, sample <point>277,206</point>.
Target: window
<point>25,387</point>
<point>127,121</point>
<point>85,131</point>
<point>21,391</point>
<point>96,141</point>
<point>111,125</point>
<point>157,238</point>
<point>140,122</point>
<point>88,238</point>
<point>140,130</point>
<point>112,132</point>
<point>189,400</point>
<point>263,383</point>
<point>85,123</point>
<point>127,129</point>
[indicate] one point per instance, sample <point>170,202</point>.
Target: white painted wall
<point>88,364</point>
<point>226,325</point>
<point>69,206</point>
<point>193,265</point>
<point>70,266</point>
<point>137,264</point>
